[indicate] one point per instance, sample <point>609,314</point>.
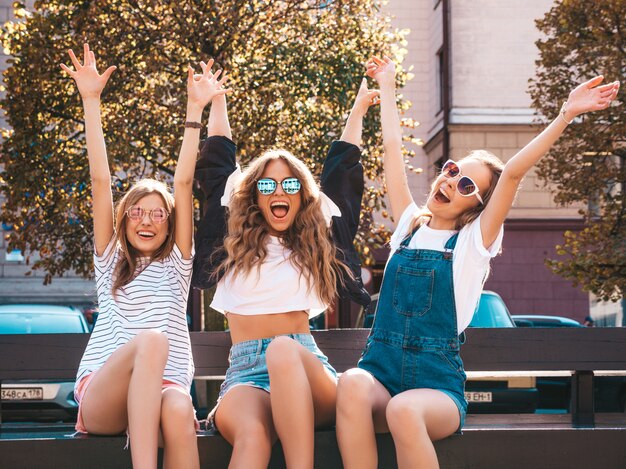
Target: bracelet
<point>193,125</point>
<point>562,113</point>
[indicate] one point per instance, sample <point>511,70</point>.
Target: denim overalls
<point>414,341</point>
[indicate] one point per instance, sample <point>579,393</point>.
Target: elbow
<point>392,144</point>
<point>512,176</point>
<point>101,180</point>
<point>183,181</point>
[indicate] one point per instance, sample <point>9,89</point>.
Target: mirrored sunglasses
<point>157,215</point>
<point>267,186</point>
<point>465,185</point>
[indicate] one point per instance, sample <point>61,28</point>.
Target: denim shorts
<point>248,367</point>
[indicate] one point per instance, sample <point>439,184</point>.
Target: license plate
<point>22,394</point>
<point>478,396</point>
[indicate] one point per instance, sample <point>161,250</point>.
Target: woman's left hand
<point>202,88</point>
<point>365,98</point>
<point>590,96</point>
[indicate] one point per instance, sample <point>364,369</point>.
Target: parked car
<point>36,399</point>
<point>507,394</point>
<point>529,320</point>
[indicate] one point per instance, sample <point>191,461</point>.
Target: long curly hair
<point>495,165</point>
<point>127,265</point>
<point>308,237</point>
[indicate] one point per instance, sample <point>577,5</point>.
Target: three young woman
<point>287,251</point>
<point>137,370</point>
<point>410,379</point>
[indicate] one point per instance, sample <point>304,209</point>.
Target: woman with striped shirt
<point>137,370</point>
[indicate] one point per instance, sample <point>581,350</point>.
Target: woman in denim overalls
<point>410,379</point>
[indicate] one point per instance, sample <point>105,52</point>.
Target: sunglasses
<point>267,186</point>
<point>157,215</point>
<point>465,185</point>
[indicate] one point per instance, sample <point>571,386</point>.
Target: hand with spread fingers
<point>90,83</point>
<point>589,96</point>
<point>202,88</point>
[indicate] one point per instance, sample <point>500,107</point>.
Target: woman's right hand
<point>90,83</point>
<point>381,70</point>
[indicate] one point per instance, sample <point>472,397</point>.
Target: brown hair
<point>308,237</point>
<point>127,264</point>
<point>495,165</point>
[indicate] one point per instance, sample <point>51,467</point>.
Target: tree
<point>295,67</point>
<point>588,164</point>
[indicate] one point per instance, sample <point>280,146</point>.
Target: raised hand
<point>365,98</point>
<point>90,83</point>
<point>590,96</point>
<point>382,70</point>
<point>202,88</point>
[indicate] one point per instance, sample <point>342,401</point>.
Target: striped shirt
<point>155,299</point>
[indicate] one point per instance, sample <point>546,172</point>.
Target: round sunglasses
<point>465,185</point>
<point>267,186</point>
<point>157,215</point>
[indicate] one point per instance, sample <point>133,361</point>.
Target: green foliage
<point>588,164</point>
<point>295,67</point>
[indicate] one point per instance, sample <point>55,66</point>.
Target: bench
<point>582,438</point>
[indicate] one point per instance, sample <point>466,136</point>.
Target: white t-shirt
<point>470,260</point>
<point>155,299</point>
<point>277,287</point>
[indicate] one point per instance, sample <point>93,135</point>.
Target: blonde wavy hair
<point>127,265</point>
<point>495,165</point>
<point>308,237</point>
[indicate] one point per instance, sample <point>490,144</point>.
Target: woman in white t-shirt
<point>410,379</point>
<point>137,369</point>
<point>279,267</point>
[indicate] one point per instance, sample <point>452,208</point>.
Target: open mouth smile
<point>145,235</point>
<point>441,197</point>
<point>279,209</point>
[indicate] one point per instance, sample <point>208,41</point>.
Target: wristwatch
<point>193,125</point>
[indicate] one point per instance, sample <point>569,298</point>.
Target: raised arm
<point>201,89</point>
<point>586,97</point>
<point>354,125</point>
<point>218,116</point>
<point>384,72</point>
<point>90,85</point>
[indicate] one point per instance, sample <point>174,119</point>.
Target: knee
<point>152,347</point>
<point>177,419</point>
<point>254,435</point>
<point>282,354</point>
<point>405,416</point>
<point>354,392</point>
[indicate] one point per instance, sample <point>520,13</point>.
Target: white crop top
<point>277,287</point>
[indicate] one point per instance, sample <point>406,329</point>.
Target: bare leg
<point>244,418</point>
<point>180,444</point>
<point>303,396</point>
<point>361,404</point>
<point>416,418</point>
<point>126,393</point>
